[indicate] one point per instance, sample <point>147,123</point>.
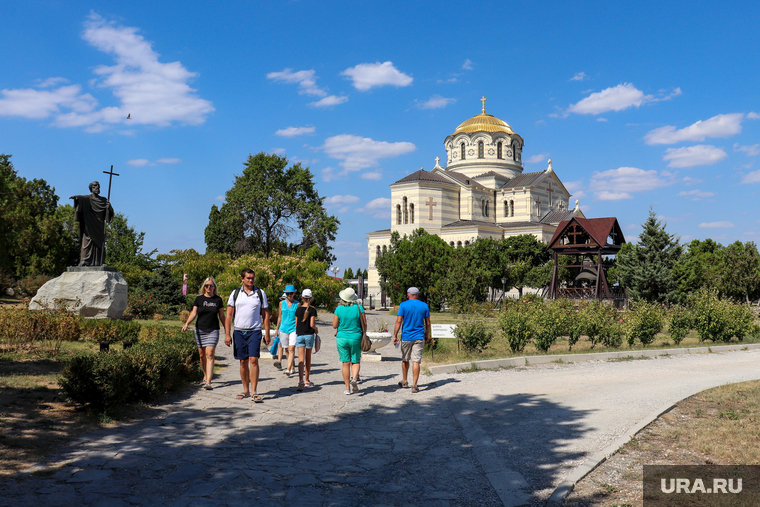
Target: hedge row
<point>164,360</point>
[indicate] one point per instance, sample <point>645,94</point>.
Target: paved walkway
<point>487,438</point>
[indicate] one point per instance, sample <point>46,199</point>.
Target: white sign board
<point>443,330</point>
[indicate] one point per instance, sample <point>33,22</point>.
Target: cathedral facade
<point>481,192</point>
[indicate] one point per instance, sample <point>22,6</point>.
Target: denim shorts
<point>305,340</point>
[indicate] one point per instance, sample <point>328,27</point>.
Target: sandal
<point>308,384</point>
<point>415,389</point>
<point>257,399</point>
<point>208,387</point>
<point>300,387</point>
<point>243,396</point>
<point>403,384</point>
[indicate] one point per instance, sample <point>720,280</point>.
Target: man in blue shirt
<point>414,321</point>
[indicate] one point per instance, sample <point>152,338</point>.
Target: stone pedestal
<point>96,292</point>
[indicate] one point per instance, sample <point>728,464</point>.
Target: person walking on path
<point>248,309</point>
<point>350,322</point>
<point>286,329</point>
<point>414,321</point>
<point>306,330</point>
<point>209,308</point>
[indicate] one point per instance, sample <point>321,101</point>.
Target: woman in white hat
<point>350,321</point>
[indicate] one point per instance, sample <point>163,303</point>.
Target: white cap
<point>306,293</point>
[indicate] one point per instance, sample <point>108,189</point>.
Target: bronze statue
<point>92,212</point>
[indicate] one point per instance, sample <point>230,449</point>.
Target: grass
<point>446,350</point>
<point>717,426</point>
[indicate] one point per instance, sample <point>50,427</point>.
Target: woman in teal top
<point>349,319</point>
<point>286,329</point>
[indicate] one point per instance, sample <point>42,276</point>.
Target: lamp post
<point>335,270</point>
<point>503,286</point>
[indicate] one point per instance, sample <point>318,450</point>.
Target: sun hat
<point>348,295</point>
<point>289,288</point>
<point>413,290</point>
<point>306,293</point>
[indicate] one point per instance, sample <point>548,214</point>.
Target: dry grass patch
<point>715,427</point>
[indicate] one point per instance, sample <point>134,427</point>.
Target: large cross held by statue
<point>110,174</point>
<point>430,203</point>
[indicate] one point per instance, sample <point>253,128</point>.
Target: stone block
<point>98,293</point>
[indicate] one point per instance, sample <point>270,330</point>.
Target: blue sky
<point>647,104</point>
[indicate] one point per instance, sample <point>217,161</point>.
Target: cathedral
<point>481,192</point>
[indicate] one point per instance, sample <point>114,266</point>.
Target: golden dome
<point>484,123</point>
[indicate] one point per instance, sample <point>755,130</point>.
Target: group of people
<point>248,312</point>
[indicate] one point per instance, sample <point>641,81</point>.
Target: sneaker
<point>346,392</point>
<point>354,386</point>
<point>208,387</point>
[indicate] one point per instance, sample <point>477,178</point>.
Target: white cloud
<point>581,76</point>
<point>357,153</point>
<point>753,177</point>
<point>467,65</point>
<point>378,208</point>
<point>341,199</point>
<point>450,80</point>
<point>751,151</point>
<point>722,125</point>
<point>369,75</point>
<point>140,162</point>
<point>436,102</point>
<point>691,181</point>
<point>696,195</point>
<point>602,119</point>
<point>219,198</point>
<point>373,175</point>
<point>169,160</point>
<point>306,79</point>
<point>753,116</point>
<point>537,158</point>
<point>621,183</point>
<point>294,131</point>
<point>716,225</point>
<point>40,104</point>
<point>616,98</point>
<point>52,81</point>
<point>329,101</point>
<point>690,156</point>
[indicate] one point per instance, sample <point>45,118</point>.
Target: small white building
<point>482,192</point>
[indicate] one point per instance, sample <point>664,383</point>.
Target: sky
<point>638,105</point>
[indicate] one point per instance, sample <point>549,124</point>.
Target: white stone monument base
<point>96,292</point>
<point>378,340</point>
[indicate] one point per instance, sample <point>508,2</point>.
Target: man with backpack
<point>248,308</point>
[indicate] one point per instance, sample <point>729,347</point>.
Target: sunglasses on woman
<point>209,285</point>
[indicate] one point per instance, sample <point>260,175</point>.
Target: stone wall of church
<point>415,205</point>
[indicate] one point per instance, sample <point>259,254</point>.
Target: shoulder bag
<point>366,343</point>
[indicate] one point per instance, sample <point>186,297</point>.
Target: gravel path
<point>505,437</point>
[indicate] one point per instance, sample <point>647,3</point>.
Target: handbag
<point>317,343</point>
<point>366,344</point>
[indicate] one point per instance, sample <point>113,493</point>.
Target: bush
<point>29,286</point>
<point>183,316</point>
<point>516,324</point>
<point>549,322</point>
<point>473,334</point>
<point>741,320</point>
<point>38,331</point>
<point>600,323</point>
<point>643,321</point>
<point>711,316</point>
<point>137,374</point>
<point>680,323</point>
<point>111,331</point>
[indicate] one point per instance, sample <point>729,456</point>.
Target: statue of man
<point>92,212</point>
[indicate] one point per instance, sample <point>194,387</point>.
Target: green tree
<point>467,279</point>
<point>32,237</point>
<point>739,271</point>
<point>421,260</point>
<point>646,268</point>
<point>348,274</point>
<point>360,274</point>
<point>265,206</point>
<point>527,262</point>
<point>698,267</point>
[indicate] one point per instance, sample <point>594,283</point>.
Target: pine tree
<point>348,274</point>
<point>646,269</point>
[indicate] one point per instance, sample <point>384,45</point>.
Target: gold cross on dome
<point>483,100</point>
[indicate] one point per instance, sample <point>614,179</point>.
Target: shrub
<point>548,323</point>
<point>680,323</point>
<point>473,334</point>
<point>141,305</point>
<point>516,324</point>
<point>600,323</point>
<point>38,331</point>
<point>111,331</point>
<point>157,317</point>
<point>137,374</point>
<point>29,286</point>
<point>711,316</point>
<point>183,316</point>
<point>740,320</point>
<point>643,321</point>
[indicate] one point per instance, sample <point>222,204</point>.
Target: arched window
<point>411,213</point>
<point>506,209</point>
<point>483,207</point>
<point>480,149</point>
<point>378,251</point>
<point>487,206</point>
<point>461,146</point>
<point>459,244</point>
<point>512,208</point>
<point>466,243</point>
<point>406,212</point>
<point>398,214</point>
<point>498,150</point>
<point>385,249</point>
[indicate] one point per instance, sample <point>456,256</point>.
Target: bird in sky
<point>129,116</point>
